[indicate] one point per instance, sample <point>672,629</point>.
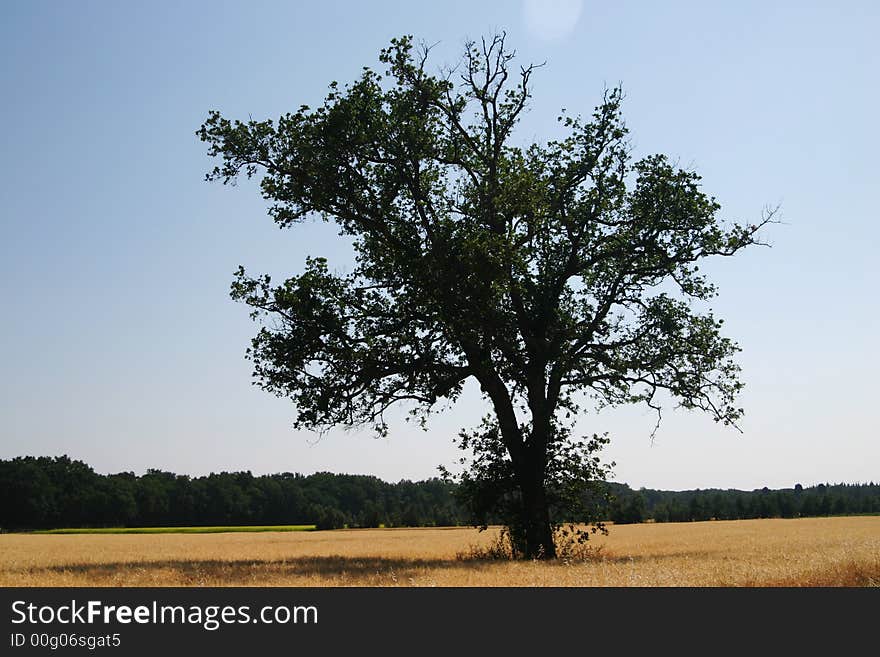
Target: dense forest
<point>714,504</point>
<point>44,492</point>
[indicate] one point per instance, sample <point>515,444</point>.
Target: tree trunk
<point>537,539</point>
<point>534,535</point>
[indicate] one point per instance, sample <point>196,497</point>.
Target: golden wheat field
<point>798,552</point>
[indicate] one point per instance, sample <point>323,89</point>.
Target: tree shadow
<point>332,568</point>
<point>325,566</point>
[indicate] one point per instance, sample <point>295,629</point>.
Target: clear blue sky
<point>119,344</point>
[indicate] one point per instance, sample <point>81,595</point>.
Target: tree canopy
<point>551,273</point>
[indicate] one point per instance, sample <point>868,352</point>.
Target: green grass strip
<point>177,530</point>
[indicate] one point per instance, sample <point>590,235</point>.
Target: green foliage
<point>697,505</point>
<point>41,493</point>
<point>47,493</point>
<point>329,518</point>
<point>549,273</point>
<point>628,511</point>
<point>575,489</point>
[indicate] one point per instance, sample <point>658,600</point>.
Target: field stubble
<point>800,552</point>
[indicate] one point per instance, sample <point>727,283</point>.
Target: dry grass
<point>802,552</point>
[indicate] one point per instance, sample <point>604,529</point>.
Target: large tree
<point>550,273</point>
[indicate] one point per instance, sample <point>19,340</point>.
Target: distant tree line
<point>46,492</point>
<point>713,504</point>
<point>43,493</point>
